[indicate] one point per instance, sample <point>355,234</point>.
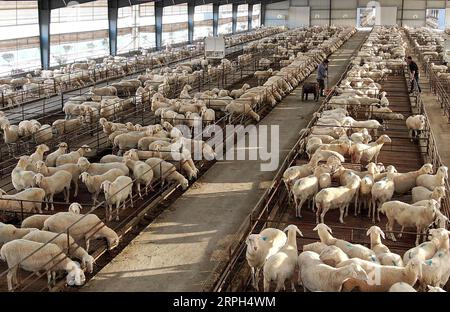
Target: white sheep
<point>314,275</point>
<point>50,160</point>
<point>34,257</point>
<point>66,243</point>
<point>336,197</point>
<point>352,250</point>
<point>431,181</point>
<point>384,255</point>
<point>81,227</point>
<point>22,178</point>
<point>142,173</point>
<point>435,289</point>
<point>35,221</point>
<point>28,200</point>
<point>38,155</point>
<point>241,109</point>
<point>44,134</point>
<point>73,169</point>
<point>9,232</point>
<point>435,271</point>
<point>281,266</point>
<point>426,250</point>
<point>404,182</point>
<point>117,193</point>
<point>420,193</point>
<point>382,276</point>
<point>332,255</point>
<point>415,124</point>
<point>93,182</point>
<point>72,157</point>
<point>100,168</point>
<point>260,247</point>
<point>402,287</point>
<point>382,191</point>
<point>166,172</point>
<point>75,208</point>
<point>54,184</point>
<point>407,215</point>
<point>366,152</point>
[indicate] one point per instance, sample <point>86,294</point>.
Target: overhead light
<point>317,16</point>
<point>415,16</point>
<point>345,16</point>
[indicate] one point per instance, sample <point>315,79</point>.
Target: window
<point>225,19</point>
<point>242,18</point>
<point>256,15</point>
<point>136,27</point>
<point>78,32</point>
<point>19,37</point>
<point>203,21</point>
<point>175,24</point>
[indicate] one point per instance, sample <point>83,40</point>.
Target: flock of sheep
<point>334,264</point>
<point>38,177</point>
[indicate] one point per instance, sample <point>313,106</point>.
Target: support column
<point>250,17</point>
<point>401,15</point>
<point>263,14</point>
<point>113,12</point>
<point>215,19</point>
<point>329,14</point>
<point>234,17</point>
<point>158,23</point>
<point>191,11</point>
<point>44,32</point>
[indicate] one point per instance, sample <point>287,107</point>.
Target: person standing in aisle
<point>322,73</point>
<point>414,69</point>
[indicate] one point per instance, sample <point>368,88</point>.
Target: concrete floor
<point>179,250</point>
<point>438,121</point>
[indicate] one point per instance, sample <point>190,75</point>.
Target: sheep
<point>66,243</point>
<point>361,136</point>
<point>10,133</point>
<point>366,152</point>
<point>383,100</point>
<point>382,191</point>
<point>434,289</point>
<point>142,173</point>
<point>9,232</point>
<point>316,247</point>
<point>20,177</point>
<point>129,140</point>
<point>384,255</point>
<point>404,182</point>
<point>103,91</point>
<point>93,182</point>
<point>352,250</point>
<point>50,160</point>
<point>426,250</point>
<point>35,221</point>
<point>54,184</point>
<point>208,115</point>
<point>235,94</point>
<point>72,157</point>
<point>63,126</point>
<point>314,275</point>
<point>281,266</point>
<point>242,109</point>
<point>415,124</point>
<point>44,134</point>
<point>81,227</point>
<point>431,181</point>
<point>166,172</point>
<point>336,197</point>
<point>39,153</point>
<point>436,271</point>
<point>332,256</point>
<point>408,215</point>
<point>402,287</point>
<point>260,247</point>
<point>117,192</point>
<point>28,200</point>
<point>420,193</point>
<point>382,276</point>
<point>34,257</point>
<point>100,168</point>
<point>73,169</point>
<point>75,208</point>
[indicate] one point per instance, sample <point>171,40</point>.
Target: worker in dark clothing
<point>322,73</point>
<point>414,69</point>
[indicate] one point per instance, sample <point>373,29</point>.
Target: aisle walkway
<point>179,250</point>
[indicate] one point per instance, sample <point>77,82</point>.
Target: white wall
<point>343,12</point>
<point>298,16</point>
